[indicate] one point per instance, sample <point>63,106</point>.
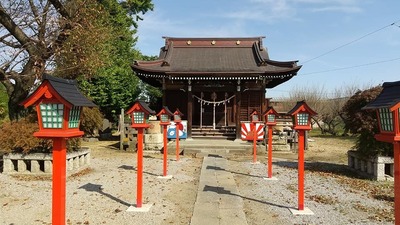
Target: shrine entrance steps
<point>203,147</point>
<point>218,199</point>
<point>208,132</point>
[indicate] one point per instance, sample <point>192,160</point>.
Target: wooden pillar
<point>263,99</point>
<point>238,99</point>
<point>164,93</point>
<point>189,110</point>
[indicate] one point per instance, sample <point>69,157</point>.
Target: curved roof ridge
<point>168,54</point>
<point>260,59</point>
<point>281,63</point>
<point>216,38</point>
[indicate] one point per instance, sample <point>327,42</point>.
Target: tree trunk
<point>17,91</point>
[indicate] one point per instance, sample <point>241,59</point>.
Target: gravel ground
<point>335,198</point>
<point>102,193</point>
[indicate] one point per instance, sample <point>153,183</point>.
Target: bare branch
<point>14,29</point>
<point>60,8</point>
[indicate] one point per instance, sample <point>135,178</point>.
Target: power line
<point>351,67</point>
<point>351,42</point>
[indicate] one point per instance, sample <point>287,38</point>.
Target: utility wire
<point>351,67</point>
<point>351,42</point>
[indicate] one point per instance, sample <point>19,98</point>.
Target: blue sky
<point>304,30</point>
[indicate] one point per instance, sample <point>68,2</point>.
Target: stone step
<point>196,146</point>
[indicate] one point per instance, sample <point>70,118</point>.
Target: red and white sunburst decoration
<point>247,131</point>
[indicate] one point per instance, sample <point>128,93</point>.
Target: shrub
<point>91,120</point>
<point>16,136</point>
<point>364,123</point>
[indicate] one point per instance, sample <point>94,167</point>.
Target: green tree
<point>3,103</point>
<point>70,37</point>
<point>115,86</point>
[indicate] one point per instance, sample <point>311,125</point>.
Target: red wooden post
<point>396,149</point>
<point>301,170</point>
<point>254,143</point>
<point>59,179</point>
<point>139,167</point>
<point>177,141</point>
<point>269,151</point>
<point>165,151</point>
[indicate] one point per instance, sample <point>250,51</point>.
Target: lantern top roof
<point>177,112</point>
<point>63,90</point>
<point>254,113</point>
<point>165,110</point>
<point>388,98</point>
<point>270,110</point>
<point>142,106</point>
<point>301,106</point>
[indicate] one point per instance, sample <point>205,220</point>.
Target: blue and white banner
<point>171,130</point>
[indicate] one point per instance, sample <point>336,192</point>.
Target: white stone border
<point>42,163</point>
<point>371,167</point>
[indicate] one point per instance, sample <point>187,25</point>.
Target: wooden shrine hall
<point>215,82</point>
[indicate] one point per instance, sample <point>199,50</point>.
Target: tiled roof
<point>215,58</point>
<point>69,91</point>
<point>389,96</point>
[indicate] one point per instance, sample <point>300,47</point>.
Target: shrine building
<point>215,82</point>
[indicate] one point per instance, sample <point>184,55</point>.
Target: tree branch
<point>60,8</point>
<point>14,30</point>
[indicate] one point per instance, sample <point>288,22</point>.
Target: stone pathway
<point>218,200</point>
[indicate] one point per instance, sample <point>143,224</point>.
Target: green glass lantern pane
<point>138,117</point>
<point>302,119</point>
<point>270,118</point>
<point>164,118</point>
<point>52,115</point>
<point>386,119</point>
<point>254,118</point>
<point>177,117</point>
<point>74,116</point>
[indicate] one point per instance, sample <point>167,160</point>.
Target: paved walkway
<point>218,200</point>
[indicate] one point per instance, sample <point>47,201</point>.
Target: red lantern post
<point>254,117</point>
<point>301,114</point>
<point>139,112</point>
<point>177,119</point>
<point>387,106</point>
<point>165,120</point>
<point>58,104</point>
<point>270,116</point>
